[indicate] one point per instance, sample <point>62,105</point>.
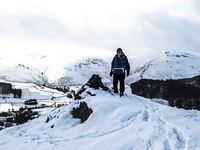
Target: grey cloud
<point>37,26</point>
<point>43,26</point>
<point>162,31</point>
<point>151,33</point>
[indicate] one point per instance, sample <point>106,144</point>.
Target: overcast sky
<point>98,27</point>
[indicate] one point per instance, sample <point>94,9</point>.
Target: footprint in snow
<point>130,116</point>
<point>145,116</point>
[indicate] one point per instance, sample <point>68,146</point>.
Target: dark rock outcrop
<point>184,93</point>
<point>94,82</point>
<point>82,112</point>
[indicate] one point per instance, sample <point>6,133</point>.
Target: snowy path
<point>128,123</point>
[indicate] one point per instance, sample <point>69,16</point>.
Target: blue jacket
<point>120,64</point>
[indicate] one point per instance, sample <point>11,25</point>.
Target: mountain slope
<point>21,73</point>
<point>170,66</point>
<point>117,123</point>
<point>79,72</point>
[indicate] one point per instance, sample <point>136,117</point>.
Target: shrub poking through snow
<point>24,114</point>
<point>82,112</point>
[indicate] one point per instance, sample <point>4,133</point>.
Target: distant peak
<point>90,61</point>
<point>22,66</point>
<point>176,54</point>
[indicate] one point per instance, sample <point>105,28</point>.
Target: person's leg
<point>122,86</point>
<point>115,83</point>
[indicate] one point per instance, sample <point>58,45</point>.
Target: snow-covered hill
<point>166,66</point>
<point>170,66</point>
<point>116,123</point>
<point>79,72</point>
<point>21,73</point>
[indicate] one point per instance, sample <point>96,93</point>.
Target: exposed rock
<point>180,93</point>
<point>94,82</point>
<point>69,95</point>
<point>82,112</point>
<point>90,93</point>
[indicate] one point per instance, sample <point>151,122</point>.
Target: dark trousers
<point>118,78</point>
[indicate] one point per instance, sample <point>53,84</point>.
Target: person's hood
<point>121,55</point>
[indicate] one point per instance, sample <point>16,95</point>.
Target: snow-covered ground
<point>170,65</point>
<point>126,123</point>
<point>32,91</point>
<point>24,74</point>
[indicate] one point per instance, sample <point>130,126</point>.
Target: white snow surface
<point>80,71</point>
<point>31,91</point>
<point>169,66</point>
<point>23,74</point>
<point>126,123</point>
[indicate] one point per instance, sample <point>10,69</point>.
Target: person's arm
<point>127,66</point>
<point>112,66</point>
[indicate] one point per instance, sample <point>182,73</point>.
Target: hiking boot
<point>121,94</point>
<point>116,92</point>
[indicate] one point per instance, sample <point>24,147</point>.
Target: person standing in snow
<point>119,65</point>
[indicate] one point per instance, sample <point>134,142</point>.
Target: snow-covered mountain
<point>166,66</point>
<point>80,71</point>
<point>24,74</point>
<point>169,66</point>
